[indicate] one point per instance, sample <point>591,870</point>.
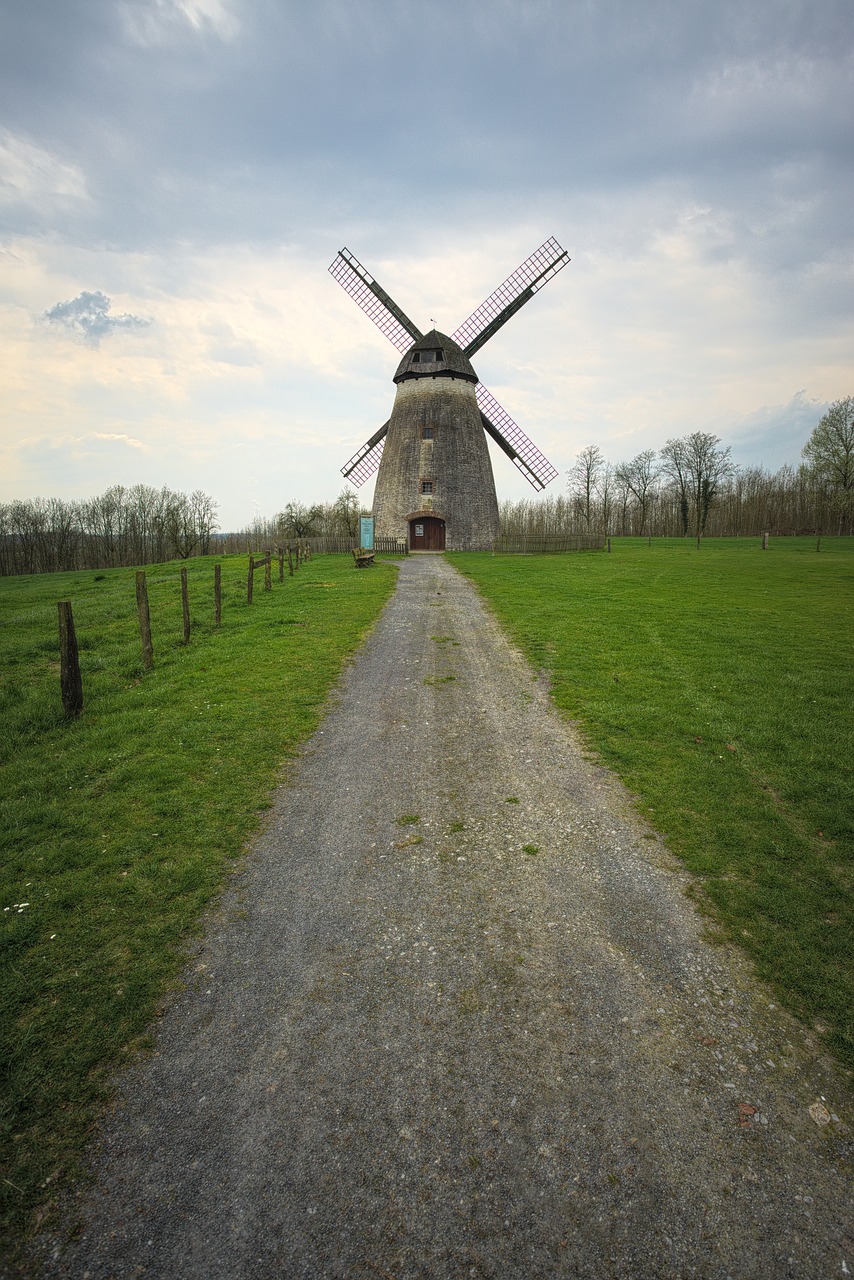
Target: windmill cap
<point>435,356</point>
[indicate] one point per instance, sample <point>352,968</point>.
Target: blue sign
<point>366,532</point>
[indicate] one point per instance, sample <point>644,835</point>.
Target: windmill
<point>435,486</point>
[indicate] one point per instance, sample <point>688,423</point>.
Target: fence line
<point>71,687</point>
<point>328,544</point>
<point>529,544</point>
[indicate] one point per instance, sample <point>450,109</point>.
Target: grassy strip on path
<point>117,828</point>
<point>719,684</point>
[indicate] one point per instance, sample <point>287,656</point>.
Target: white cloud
<point>87,317</point>
<point>31,175</point>
<point>159,22</point>
<point>112,436</point>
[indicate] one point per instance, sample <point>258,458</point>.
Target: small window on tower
<point>426,433</point>
<point>440,355</point>
<point>426,486</point>
<point>416,357</point>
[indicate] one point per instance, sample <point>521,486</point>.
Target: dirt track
<point>421,1049</point>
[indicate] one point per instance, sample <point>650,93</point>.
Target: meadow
<point>719,683</point>
<point>119,827</point>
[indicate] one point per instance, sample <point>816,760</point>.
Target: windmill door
<point>427,533</point>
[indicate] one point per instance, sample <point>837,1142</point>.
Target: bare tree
<point>298,520</point>
<point>204,509</point>
<point>696,466</point>
<point>346,512</point>
<point>583,479</point>
<point>606,490</point>
<point>829,454</point>
<point>640,477</point>
<point>674,465</point>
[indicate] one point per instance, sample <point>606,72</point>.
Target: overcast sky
<point>177,175</point>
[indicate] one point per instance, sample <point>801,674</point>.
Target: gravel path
<point>456,1018</point>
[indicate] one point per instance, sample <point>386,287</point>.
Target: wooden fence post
<point>144,620</point>
<point>765,542</point>
<point>185,605</point>
<point>818,543</point>
<point>290,561</point>
<point>268,579</point>
<point>281,551</point>
<point>609,546</point>
<point>217,594</point>
<point>71,684</point>
<point>249,580</point>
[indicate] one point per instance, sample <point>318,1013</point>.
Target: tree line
<point>692,487</point>
<point>122,526</point>
<point>299,522</point>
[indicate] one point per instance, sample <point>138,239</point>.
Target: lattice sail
<point>516,290</point>
<point>365,461</point>
<point>523,453</point>
<point>374,301</point>
<point>506,300</point>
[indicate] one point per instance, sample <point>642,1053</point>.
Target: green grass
<point>117,829</point>
<point>719,684</point>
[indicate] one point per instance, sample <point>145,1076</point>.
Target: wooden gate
<point>427,533</point>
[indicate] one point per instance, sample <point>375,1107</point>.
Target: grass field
<point>719,683</point>
<point>118,828</point>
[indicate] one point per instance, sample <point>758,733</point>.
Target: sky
<point>176,177</point>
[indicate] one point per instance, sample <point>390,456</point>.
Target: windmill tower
<point>434,484</point>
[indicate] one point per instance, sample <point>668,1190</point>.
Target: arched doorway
<point>426,533</point>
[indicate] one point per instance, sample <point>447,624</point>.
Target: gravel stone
<point>413,1050</point>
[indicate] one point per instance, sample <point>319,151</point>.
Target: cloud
<point>87,318</point>
<point>110,435</point>
<point>228,348</point>
<point>204,159</point>
<point>33,178</point>
<point>777,431</point>
<point>158,22</point>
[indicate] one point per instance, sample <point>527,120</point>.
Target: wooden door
<point>427,533</point>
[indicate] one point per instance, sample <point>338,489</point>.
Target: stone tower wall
<point>456,460</point>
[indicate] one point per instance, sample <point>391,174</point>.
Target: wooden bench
<point>362,557</point>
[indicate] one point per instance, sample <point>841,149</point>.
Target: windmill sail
<point>516,290</point>
<point>522,452</point>
<point>365,461</point>
<point>504,302</point>
<point>374,301</point>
